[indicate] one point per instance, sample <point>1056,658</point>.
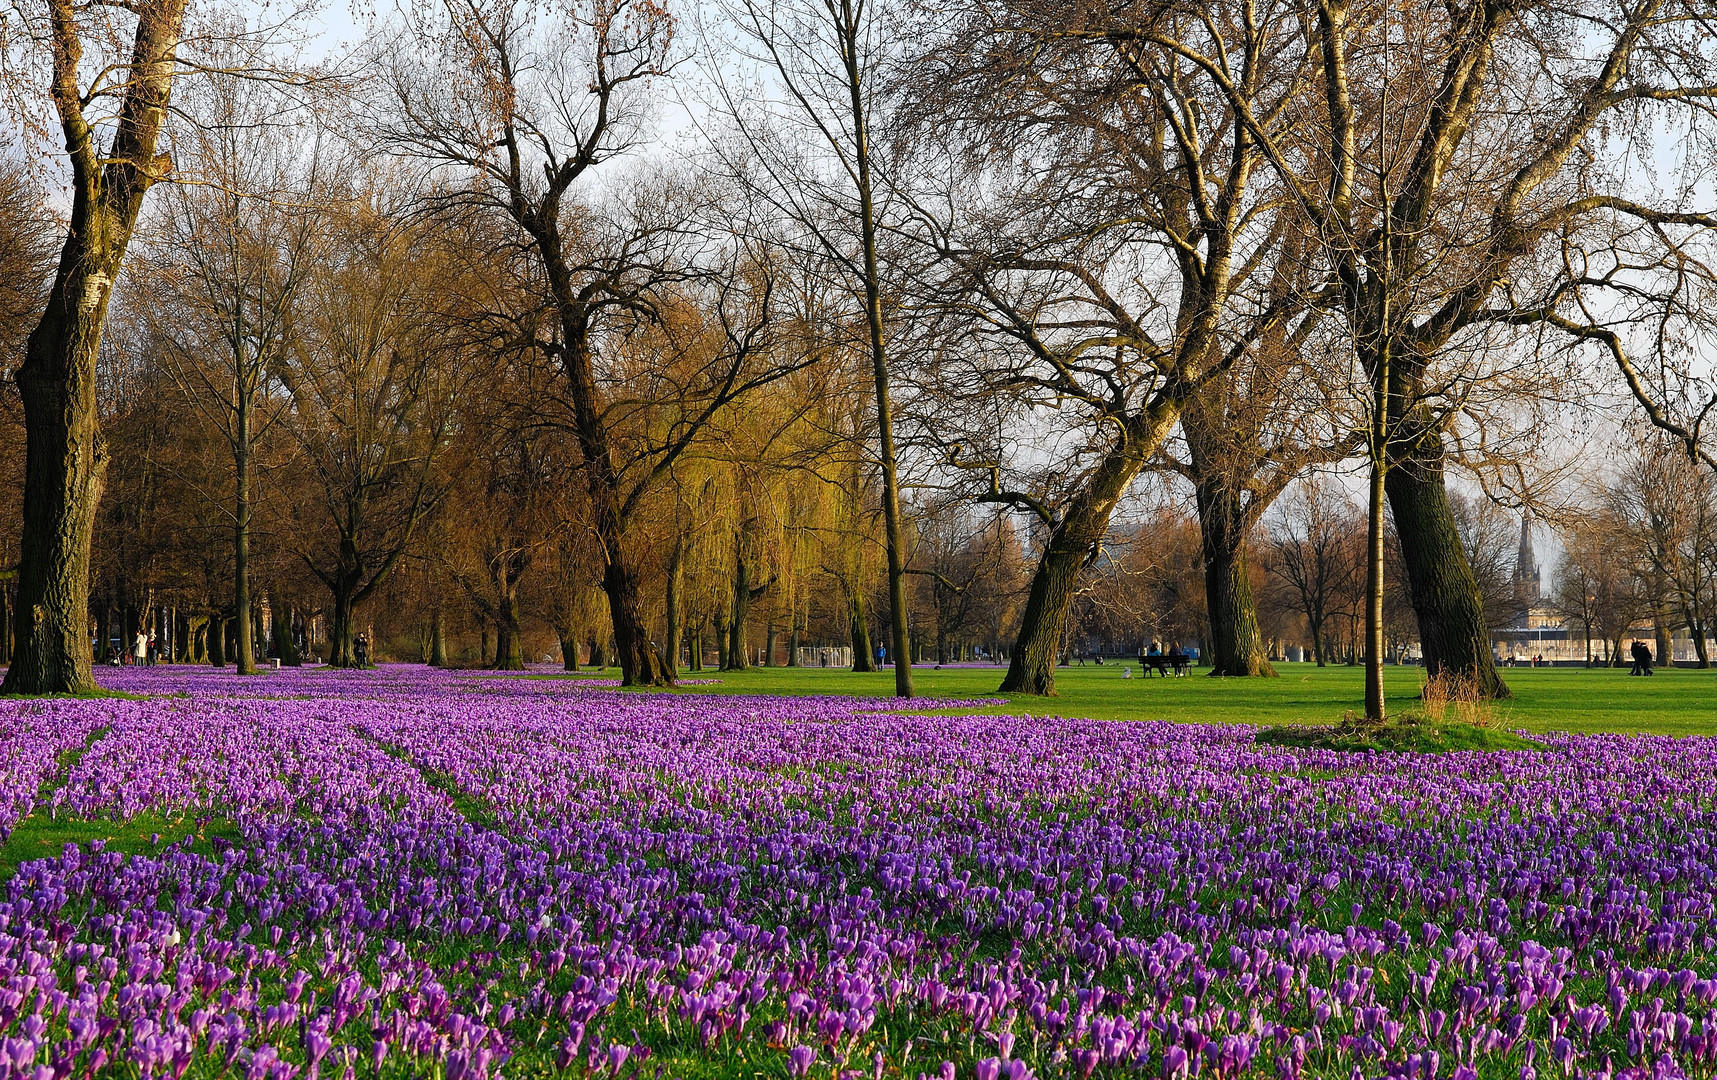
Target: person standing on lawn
<point>1642,659</point>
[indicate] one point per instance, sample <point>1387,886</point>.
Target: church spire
<point>1526,577</point>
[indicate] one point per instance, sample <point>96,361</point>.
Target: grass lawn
<point>1676,701</point>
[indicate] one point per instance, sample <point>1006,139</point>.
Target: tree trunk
<point>509,655</point>
<point>793,644</point>
<point>285,646</point>
<point>1032,669</point>
<point>217,637</point>
<point>640,663</point>
<point>1452,629</point>
<point>568,650</point>
<point>6,624</point>
<point>246,652</point>
<point>65,463</point>
<point>340,633</point>
<point>858,629</point>
<point>1234,646</point>
<point>438,640</point>
<point>769,636</point>
<point>850,30</point>
<point>1075,538</point>
<point>1375,706</point>
<point>1665,641</point>
<point>598,655</point>
<point>196,640</point>
<point>737,658</point>
<point>671,641</point>
<point>696,650</point>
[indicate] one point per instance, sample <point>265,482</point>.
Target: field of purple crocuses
<point>421,874</point>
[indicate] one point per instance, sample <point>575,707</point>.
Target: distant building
<point>1528,584</point>
<point>1536,629</point>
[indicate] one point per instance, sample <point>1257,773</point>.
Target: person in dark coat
<point>1642,659</point>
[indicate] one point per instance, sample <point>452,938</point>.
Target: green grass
<point>40,836</point>
<point>1675,701</point>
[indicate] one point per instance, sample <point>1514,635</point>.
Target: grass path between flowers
<point>1676,701</point>
<point>45,833</point>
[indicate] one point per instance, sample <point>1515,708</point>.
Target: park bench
<point>1161,664</point>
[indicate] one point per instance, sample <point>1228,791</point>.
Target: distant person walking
<point>1642,659</point>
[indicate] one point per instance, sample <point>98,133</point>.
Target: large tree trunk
<point>285,645</point>
<point>738,658</point>
<point>65,461</point>
<point>1235,647</point>
<point>438,640</point>
<point>509,654</point>
<point>340,633</point>
<point>1664,640</point>
<point>1032,668</point>
<point>568,650</point>
<point>1452,629</point>
<point>504,579</point>
<point>65,456</point>
<point>1075,538</point>
<point>214,635</point>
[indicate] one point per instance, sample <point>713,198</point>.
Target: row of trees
<point>991,254</point>
<point>1643,553</point>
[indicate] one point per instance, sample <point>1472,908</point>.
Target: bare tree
<point>1247,436</point>
<point>827,56</point>
<point>522,104</point>
<point>525,103</point>
<point>1669,505</point>
<point>1123,258</point>
<point>227,264</point>
<point>1494,207</point>
<point>1596,581</point>
<point>371,373</point>
<point>1314,550</point>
